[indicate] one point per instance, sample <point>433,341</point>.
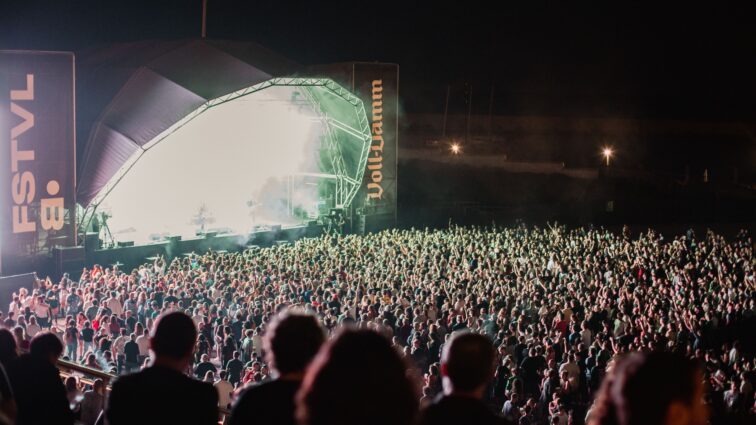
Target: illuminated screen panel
<point>279,155</point>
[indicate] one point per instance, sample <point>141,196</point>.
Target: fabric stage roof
<point>127,94</point>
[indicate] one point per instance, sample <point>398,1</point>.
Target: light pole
<point>204,18</point>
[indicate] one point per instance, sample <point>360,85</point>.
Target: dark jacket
<point>159,395</point>
<point>40,395</point>
<point>271,403</point>
<point>453,410</point>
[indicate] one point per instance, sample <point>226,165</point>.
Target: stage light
<point>608,152</point>
<point>235,152</point>
<point>456,149</point>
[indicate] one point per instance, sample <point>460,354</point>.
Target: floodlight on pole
<point>608,152</point>
<point>455,148</point>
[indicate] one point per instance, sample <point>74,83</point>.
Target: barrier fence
<point>88,375</point>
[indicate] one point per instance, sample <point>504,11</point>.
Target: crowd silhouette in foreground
<point>519,325</point>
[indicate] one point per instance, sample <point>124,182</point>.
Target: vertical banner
<point>37,156</point>
<point>377,84</point>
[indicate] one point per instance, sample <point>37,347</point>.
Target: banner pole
<point>204,18</point>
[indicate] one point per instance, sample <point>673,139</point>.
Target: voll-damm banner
<point>377,85</point>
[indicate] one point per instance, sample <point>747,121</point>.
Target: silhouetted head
<point>46,345</point>
<point>8,347</point>
<point>467,363</point>
<point>357,378</point>
<point>173,337</point>
<point>292,341</point>
<point>658,388</point>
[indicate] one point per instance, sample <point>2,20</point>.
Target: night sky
<point>549,58</point>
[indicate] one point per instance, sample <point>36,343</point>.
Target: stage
<point>128,257</point>
<point>168,140</point>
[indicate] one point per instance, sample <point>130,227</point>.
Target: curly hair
<point>293,339</point>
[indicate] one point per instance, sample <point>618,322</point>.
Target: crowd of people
<point>521,325</point>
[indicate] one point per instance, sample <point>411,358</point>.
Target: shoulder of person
<point>124,386</point>
<point>207,390</point>
<point>430,414</point>
<point>255,390</point>
<point>135,378</point>
<point>194,383</point>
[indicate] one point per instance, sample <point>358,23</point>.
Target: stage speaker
<point>361,223</point>
<point>74,253</point>
<point>374,223</point>
<point>313,229</point>
<point>70,259</point>
<point>92,241</point>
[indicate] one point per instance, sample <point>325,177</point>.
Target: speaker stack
<point>92,241</point>
<point>69,259</point>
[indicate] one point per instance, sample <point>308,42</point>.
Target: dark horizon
<point>618,60</point>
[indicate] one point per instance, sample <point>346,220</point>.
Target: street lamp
<point>455,148</point>
<point>607,152</point>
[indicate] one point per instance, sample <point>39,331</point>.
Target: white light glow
<point>607,152</point>
<point>240,151</point>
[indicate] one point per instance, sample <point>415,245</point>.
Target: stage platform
<point>132,256</point>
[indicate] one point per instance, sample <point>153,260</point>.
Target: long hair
<point>642,386</point>
<point>357,378</point>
